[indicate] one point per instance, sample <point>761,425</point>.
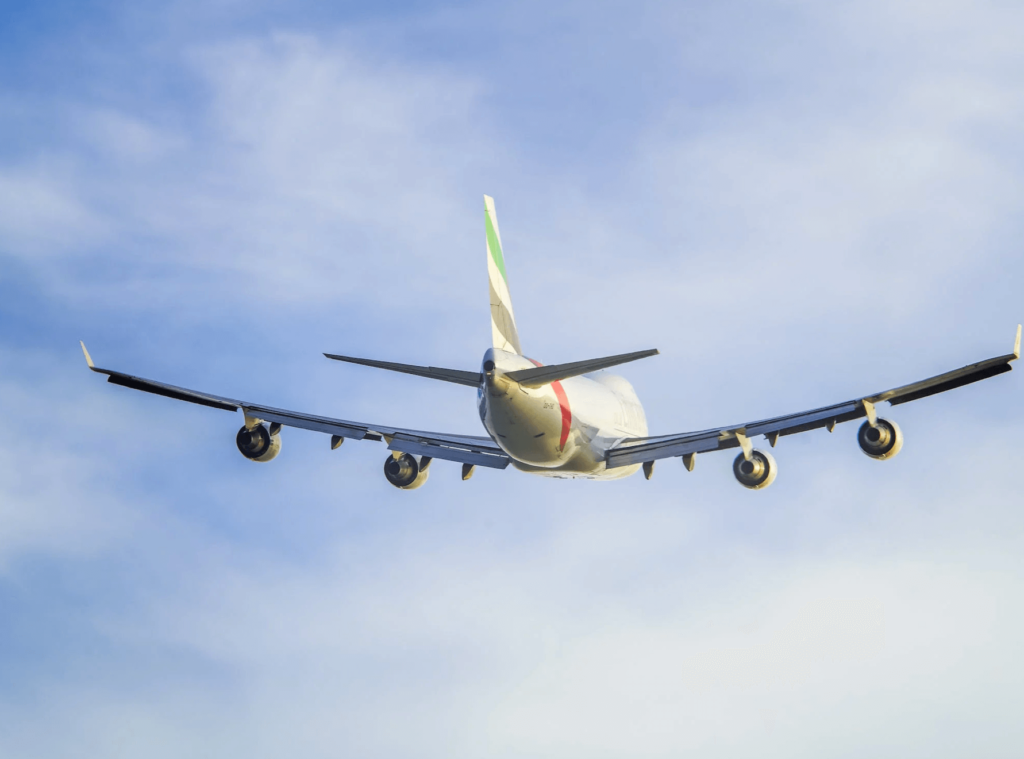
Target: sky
<point>797,203</point>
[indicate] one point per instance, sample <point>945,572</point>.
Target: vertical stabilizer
<point>503,322</point>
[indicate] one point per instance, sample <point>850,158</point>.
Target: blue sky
<point>798,203</point>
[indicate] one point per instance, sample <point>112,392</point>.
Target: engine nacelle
<point>405,472</point>
<point>757,473</point>
<point>257,443</point>
<point>881,441</point>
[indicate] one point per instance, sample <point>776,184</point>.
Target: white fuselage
<point>562,429</point>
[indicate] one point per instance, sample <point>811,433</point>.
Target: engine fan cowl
<point>257,444</point>
<point>757,473</point>
<point>881,441</point>
<point>405,472</point>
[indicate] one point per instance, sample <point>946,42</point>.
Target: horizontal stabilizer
<point>473,379</point>
<point>544,375</point>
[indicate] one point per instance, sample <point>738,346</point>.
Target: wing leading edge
<point>467,449</point>
<point>641,450</point>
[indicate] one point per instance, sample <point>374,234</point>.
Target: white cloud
<point>59,495</point>
<point>835,661</point>
<point>128,138</point>
<point>784,247</point>
<point>304,169</point>
<point>601,643</point>
<point>42,216</point>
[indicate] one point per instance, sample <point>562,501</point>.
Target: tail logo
<point>503,322</point>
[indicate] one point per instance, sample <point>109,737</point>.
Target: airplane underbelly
<point>561,429</point>
<point>585,464</point>
<point>532,428</point>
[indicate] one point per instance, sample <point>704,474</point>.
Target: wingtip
<point>88,358</point>
<point>1016,344</point>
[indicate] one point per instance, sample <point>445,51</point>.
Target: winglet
<point>1016,345</point>
<point>88,358</point>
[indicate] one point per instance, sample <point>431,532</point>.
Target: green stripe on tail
<point>494,246</point>
<point>503,323</point>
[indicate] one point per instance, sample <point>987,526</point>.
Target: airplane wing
<point>643,450</point>
<point>467,449</point>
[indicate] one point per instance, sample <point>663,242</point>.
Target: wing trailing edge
<point>162,388</point>
<point>641,450</point>
<point>466,449</point>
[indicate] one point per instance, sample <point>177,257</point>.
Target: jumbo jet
<point>561,420</point>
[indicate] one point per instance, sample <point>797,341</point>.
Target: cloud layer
<point>797,204</point>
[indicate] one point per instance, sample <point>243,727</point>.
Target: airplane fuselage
<point>561,429</point>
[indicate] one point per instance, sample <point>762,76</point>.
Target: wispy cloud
<point>796,202</point>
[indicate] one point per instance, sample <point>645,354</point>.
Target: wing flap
<point>639,453</point>
<point>310,422</point>
<point>808,420</point>
<point>493,457</point>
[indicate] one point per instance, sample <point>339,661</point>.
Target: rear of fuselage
<point>561,429</point>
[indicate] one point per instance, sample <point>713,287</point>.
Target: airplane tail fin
<point>503,322</point>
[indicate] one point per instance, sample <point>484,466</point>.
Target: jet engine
<point>258,443</point>
<point>881,441</point>
<point>405,472</point>
<point>756,473</point>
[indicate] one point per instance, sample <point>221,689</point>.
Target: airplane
<point>570,420</point>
